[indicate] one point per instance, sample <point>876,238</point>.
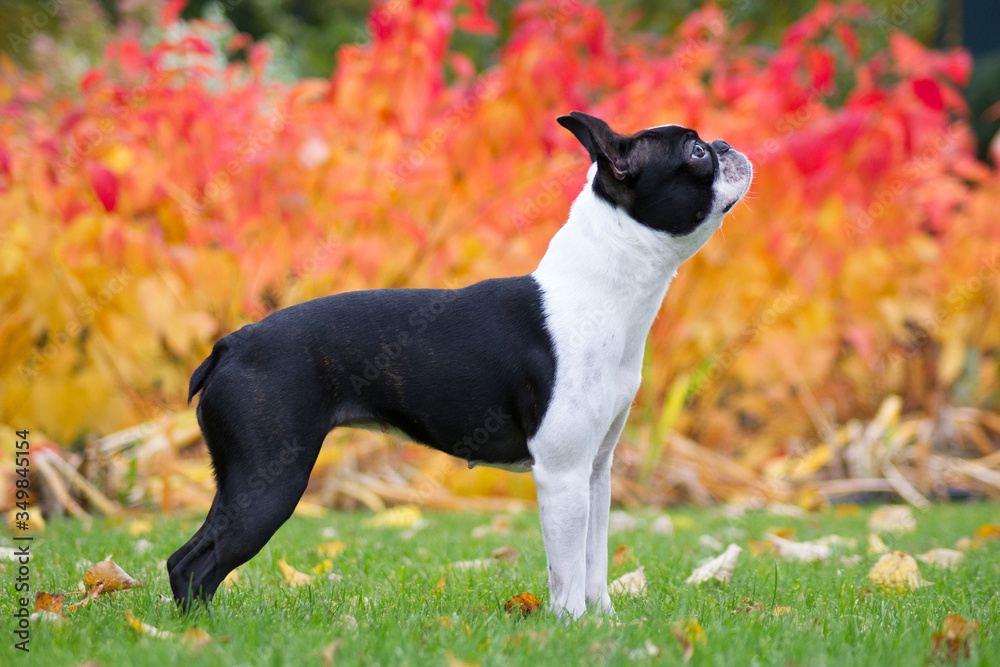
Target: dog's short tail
<point>202,373</point>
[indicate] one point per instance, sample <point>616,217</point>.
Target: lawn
<point>397,600</point>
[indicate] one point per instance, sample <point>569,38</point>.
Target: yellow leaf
<point>897,570</point>
<point>231,579</point>
<point>845,510</point>
<point>325,566</point>
<point>987,533</point>
<point>331,549</point>
<point>876,545</point>
<point>688,632</point>
<point>138,527</point>
<point>293,577</point>
<point>145,628</point>
<point>403,516</point>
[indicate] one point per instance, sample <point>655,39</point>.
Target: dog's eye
<point>698,152</point>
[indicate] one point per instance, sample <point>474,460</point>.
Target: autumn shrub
<point>175,197</point>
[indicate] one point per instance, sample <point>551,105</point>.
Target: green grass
<point>388,585</point>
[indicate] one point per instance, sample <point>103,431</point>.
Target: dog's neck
<point>613,263</point>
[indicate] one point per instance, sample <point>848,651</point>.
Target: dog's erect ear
<point>606,146</point>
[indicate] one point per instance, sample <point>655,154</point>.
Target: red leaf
<point>171,12</point>
<point>105,184</point>
<point>92,77</point>
<point>4,160</point>
<point>849,40</point>
<point>929,92</point>
<point>477,25</point>
<point>197,45</point>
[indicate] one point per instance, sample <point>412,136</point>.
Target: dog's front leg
<point>597,526</point>
<point>563,507</point>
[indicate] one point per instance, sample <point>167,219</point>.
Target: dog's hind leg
<point>260,476</point>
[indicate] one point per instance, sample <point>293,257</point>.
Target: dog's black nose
<point>720,146</point>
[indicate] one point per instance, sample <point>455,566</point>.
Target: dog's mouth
<point>736,176</point>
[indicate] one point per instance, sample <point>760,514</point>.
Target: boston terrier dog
<point>531,373</point>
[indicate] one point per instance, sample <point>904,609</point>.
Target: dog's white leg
<point>563,506</point>
<point>597,526</point>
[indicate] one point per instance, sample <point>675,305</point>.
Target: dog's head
<point>666,177</point>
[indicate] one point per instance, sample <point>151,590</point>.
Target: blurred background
<point>170,171</point>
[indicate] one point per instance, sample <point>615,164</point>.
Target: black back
<point>467,371</point>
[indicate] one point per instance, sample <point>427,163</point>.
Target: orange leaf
<point>525,604</point>
<point>49,602</point>
<point>110,576</point>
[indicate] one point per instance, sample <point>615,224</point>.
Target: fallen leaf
<point>501,525</point>
<point>782,611</point>
<point>196,638</point>
<point>403,516</point>
<point>791,511</point>
<point>323,567</point>
<point>439,586</point>
<point>138,527</point>
<point>622,556</point>
<point>525,603</point>
<point>452,661</point>
<point>896,519</point>
<point>329,651</point>
<point>619,521</point>
<point>876,545</point>
<point>145,628</point>
<point>688,632</point>
<point>89,597</point>
<point>477,564</point>
<point>955,634</point>
<point>720,568</point>
<point>835,541</point>
<point>331,549</point>
<point>662,525</point>
<point>709,542</point>
<point>760,547</point>
<point>846,510</point>
<point>110,576</point>
<point>293,577</point>
<point>944,558</point>
<point>51,602</point>
<point>987,533</point>
<point>784,533</point>
<point>507,554</point>
<point>897,570</point>
<point>633,583</point>
<point>683,522</point>
<point>800,551</point>
<point>647,650</point>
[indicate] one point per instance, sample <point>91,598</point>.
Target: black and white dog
<point>536,372</point>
